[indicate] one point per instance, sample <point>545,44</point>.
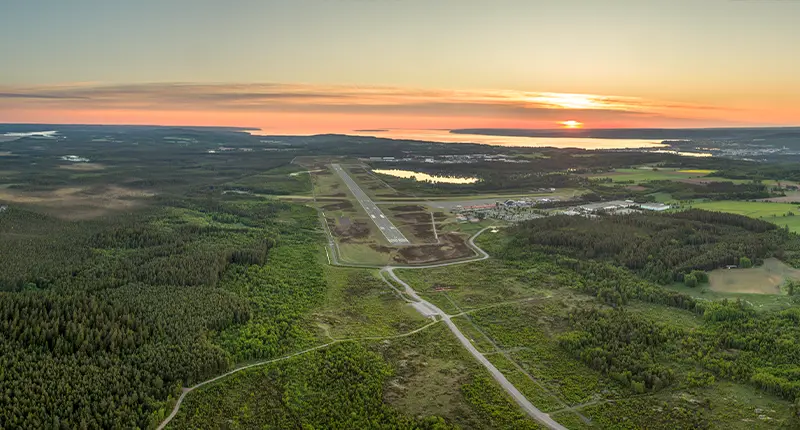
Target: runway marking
<point>392,234</point>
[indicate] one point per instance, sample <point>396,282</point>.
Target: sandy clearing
<point>79,202</point>
<point>765,279</point>
<point>791,196</point>
<point>83,166</point>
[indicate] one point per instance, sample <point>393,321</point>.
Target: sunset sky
<point>313,66</point>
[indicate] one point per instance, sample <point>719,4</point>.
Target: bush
<point>701,276</point>
<point>745,263</point>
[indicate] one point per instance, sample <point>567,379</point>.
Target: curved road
<point>424,307</point>
<point>430,310</point>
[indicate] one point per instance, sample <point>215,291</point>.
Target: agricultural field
<point>776,213</point>
<point>645,174</point>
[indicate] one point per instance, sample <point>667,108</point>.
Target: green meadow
<point>776,213</point>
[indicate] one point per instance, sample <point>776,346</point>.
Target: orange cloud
<point>294,107</point>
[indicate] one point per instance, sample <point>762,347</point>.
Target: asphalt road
<point>393,235</point>
<point>427,308</point>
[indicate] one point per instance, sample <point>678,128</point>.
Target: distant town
<point>530,208</point>
<point>448,159</point>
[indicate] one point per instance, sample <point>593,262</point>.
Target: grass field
<point>662,197</point>
<point>764,302</point>
<point>666,315</point>
<point>469,227</point>
<point>357,237</point>
<point>459,199</point>
<point>650,174</point>
<point>363,254</point>
<point>358,303</point>
<point>768,211</point>
<point>375,187</point>
<point>474,285</point>
<point>765,279</point>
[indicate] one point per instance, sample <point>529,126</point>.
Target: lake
<point>445,136</point>
<point>424,177</point>
<point>11,136</point>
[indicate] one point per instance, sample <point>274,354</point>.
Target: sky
<point>314,66</point>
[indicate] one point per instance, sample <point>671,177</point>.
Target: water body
<point>10,136</point>
<point>32,134</point>
<point>684,154</point>
<point>419,176</point>
<point>445,136</point>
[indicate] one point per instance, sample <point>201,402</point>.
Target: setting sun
<point>571,124</point>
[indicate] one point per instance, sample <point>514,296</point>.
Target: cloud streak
<point>350,100</point>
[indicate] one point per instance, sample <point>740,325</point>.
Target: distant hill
<point>28,128</point>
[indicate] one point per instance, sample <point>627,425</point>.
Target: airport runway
<point>393,235</point>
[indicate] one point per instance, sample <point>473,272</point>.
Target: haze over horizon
<point>317,66</point>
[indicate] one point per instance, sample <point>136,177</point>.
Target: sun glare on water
<point>571,124</point>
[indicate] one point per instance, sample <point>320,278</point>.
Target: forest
<point>106,317</point>
<point>113,316</point>
<point>734,343</point>
<point>710,191</point>
<point>336,388</point>
<point>108,312</point>
<point>760,171</point>
<point>621,260</point>
<point>659,247</point>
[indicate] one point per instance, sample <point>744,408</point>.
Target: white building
<point>654,207</point>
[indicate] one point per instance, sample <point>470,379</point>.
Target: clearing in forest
<point>765,279</point>
<point>77,203</point>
